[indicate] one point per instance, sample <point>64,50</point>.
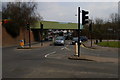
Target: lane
<point>17,62</point>
<point>34,64</point>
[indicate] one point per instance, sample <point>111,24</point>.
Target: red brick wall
<point>7,40</point>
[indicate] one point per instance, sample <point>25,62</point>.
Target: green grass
<point>54,25</point>
<point>115,44</point>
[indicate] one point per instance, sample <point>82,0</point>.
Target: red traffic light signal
<point>84,17</point>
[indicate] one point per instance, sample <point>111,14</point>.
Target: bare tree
<point>20,13</point>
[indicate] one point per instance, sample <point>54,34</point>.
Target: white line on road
<point>50,53</point>
<point>65,48</point>
<point>62,48</point>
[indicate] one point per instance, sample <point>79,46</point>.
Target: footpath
<point>36,45</point>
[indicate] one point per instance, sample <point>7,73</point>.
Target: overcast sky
<point>65,11</point>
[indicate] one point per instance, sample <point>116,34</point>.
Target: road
<point>52,62</point>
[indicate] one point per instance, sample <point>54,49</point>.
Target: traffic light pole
<point>78,31</point>
<point>41,33</point>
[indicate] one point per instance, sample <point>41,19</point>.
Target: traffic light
<point>84,17</point>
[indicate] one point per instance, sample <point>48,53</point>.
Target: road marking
<point>50,53</point>
<point>62,48</point>
<point>86,47</point>
<point>65,48</point>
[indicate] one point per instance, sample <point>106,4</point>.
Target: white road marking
<point>87,48</point>
<point>50,53</point>
<point>62,48</point>
<point>65,48</point>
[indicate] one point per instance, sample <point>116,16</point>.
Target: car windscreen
<point>59,38</point>
<point>75,39</point>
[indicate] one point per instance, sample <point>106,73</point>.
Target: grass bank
<point>115,44</point>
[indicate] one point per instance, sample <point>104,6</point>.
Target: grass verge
<point>114,44</point>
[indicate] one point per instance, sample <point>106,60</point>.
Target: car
<point>83,38</point>
<point>60,40</point>
<point>75,40</point>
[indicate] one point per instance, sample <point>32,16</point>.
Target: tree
<point>115,20</point>
<point>98,29</point>
<point>20,13</point>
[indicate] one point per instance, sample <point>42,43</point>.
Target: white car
<point>60,40</point>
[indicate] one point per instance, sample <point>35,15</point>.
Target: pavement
<point>36,45</point>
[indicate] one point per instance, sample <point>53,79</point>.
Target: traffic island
<point>79,58</point>
<point>94,58</point>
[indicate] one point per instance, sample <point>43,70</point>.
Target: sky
<point>66,11</point>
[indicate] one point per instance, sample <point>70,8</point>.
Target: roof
<point>54,25</point>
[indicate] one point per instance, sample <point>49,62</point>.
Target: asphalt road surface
<point>52,62</point>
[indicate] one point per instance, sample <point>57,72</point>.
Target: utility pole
<point>78,31</point>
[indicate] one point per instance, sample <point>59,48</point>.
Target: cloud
<point>61,0</point>
<point>65,11</point>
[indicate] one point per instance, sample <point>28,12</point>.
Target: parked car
<point>60,40</point>
<point>75,40</point>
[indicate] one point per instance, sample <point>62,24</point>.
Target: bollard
<point>21,43</point>
<point>76,49</point>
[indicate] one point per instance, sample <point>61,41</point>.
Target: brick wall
<point>7,40</point>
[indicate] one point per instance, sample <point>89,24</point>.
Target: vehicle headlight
<point>62,41</point>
